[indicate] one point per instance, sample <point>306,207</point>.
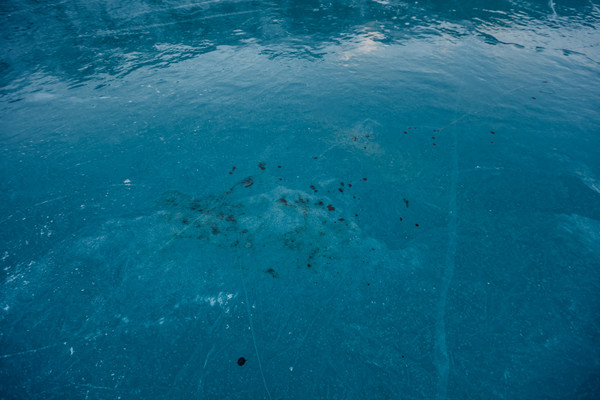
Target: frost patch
<point>222,300</point>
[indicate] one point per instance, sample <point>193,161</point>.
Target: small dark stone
<point>241,361</point>
<point>272,272</point>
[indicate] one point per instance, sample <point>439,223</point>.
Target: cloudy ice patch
<point>221,300</point>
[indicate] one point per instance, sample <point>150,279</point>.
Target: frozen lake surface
<point>299,199</point>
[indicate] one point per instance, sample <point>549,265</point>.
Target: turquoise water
<point>359,199</point>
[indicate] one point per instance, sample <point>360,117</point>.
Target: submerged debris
<point>272,222</point>
<point>280,219</point>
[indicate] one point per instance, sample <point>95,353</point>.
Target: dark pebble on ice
<point>272,272</point>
